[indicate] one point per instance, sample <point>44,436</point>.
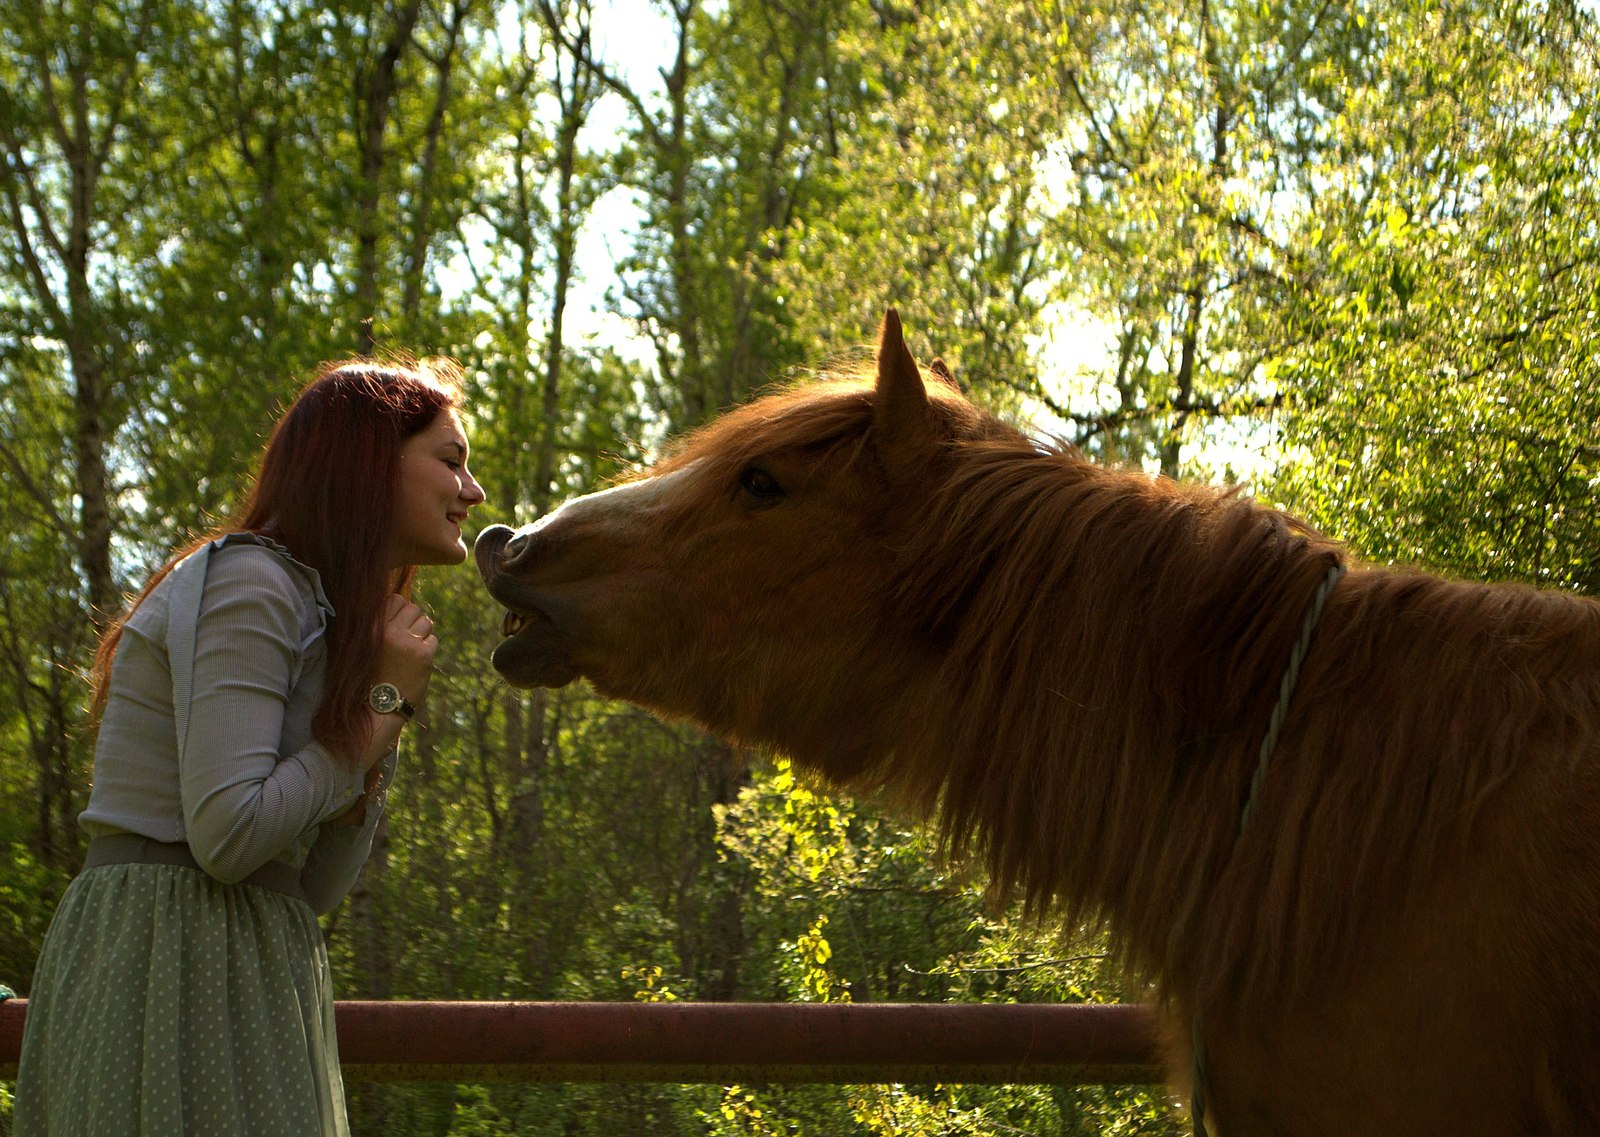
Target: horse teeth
<point>513,623</point>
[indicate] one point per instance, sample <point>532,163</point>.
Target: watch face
<point>385,698</point>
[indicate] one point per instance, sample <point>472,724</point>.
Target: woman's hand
<point>405,657</point>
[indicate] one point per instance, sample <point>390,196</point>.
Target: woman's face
<point>433,492</point>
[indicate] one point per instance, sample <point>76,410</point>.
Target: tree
<point>43,638</point>
<point>74,181</point>
<point>1444,378</point>
<point>931,191</point>
<point>199,203</point>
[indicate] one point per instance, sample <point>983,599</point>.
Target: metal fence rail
<point>724,1043</point>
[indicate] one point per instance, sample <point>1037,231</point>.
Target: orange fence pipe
<point>724,1043</point>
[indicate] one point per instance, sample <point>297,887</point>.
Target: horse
<point>1342,820</point>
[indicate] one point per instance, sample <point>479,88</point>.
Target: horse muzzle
<point>531,653</point>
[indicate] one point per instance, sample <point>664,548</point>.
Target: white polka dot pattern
<point>167,1003</point>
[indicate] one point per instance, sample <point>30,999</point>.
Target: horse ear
<point>900,403</point>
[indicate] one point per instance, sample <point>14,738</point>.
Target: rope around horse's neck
<point>1291,676</point>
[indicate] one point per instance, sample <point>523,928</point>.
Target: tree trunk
<point>377,86</point>
<point>422,225</point>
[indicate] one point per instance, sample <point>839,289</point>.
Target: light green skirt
<point>168,1004</point>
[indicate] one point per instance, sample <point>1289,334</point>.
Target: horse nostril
<point>490,549</point>
<point>500,548</point>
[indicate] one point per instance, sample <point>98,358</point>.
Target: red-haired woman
<point>249,707</point>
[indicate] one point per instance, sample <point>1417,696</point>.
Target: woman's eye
<point>759,484</point>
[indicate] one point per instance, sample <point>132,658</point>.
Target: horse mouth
<point>523,624</point>
<point>513,623</point>
<point>532,652</point>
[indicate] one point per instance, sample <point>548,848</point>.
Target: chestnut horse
<point>1078,674</point>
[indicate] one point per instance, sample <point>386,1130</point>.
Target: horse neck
<point>1112,651</point>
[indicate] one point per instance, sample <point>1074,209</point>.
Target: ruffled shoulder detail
<point>304,571</point>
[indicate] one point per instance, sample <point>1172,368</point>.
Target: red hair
<point>325,489</point>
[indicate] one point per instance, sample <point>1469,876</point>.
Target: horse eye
<point>760,485</point>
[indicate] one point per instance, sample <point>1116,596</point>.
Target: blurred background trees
<point>1345,254</point>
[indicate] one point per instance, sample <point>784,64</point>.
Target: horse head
<point>747,581</point>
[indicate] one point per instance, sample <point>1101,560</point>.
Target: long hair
<point>325,489</point>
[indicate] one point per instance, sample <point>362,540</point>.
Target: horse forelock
<point>818,416</point>
<point>831,417</point>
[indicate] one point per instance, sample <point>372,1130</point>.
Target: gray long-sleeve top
<point>253,785</point>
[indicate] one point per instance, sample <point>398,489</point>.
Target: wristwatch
<point>385,698</point>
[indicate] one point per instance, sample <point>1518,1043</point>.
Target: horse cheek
<point>648,643</point>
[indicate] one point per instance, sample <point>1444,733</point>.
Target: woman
<point>249,706</point>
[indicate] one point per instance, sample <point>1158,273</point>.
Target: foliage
<point>1445,378</point>
<point>1346,250</point>
<point>855,891</point>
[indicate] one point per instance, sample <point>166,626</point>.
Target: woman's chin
<point>443,555</point>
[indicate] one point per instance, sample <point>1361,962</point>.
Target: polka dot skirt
<point>167,1003</point>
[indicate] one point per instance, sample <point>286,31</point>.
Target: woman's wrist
<point>385,734</point>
